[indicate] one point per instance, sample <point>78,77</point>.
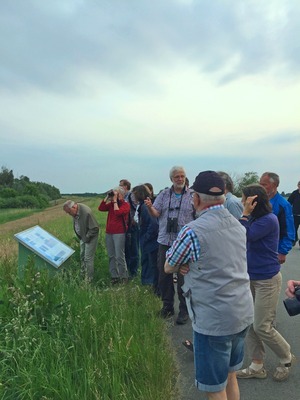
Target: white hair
<point>120,190</point>
<point>176,168</point>
<point>68,204</point>
<point>209,199</point>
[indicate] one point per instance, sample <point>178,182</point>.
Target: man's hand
<point>151,209</point>
<point>290,290</point>
<point>281,258</point>
<point>169,269</point>
<point>184,269</point>
<point>148,202</point>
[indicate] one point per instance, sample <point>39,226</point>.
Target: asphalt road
<point>251,389</point>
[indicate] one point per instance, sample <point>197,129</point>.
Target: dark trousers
<point>132,251</point>
<point>166,285</point>
<point>296,223</point>
<point>149,273</point>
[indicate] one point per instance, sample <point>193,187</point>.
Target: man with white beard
<point>173,208</point>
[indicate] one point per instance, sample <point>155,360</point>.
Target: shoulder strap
<point>124,223</point>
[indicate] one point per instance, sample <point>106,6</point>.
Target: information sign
<point>45,245</point>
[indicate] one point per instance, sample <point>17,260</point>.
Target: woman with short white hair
<point>117,222</point>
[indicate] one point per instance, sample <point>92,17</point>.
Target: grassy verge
<point>12,214</point>
<point>61,338</point>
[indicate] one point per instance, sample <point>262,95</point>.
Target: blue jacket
<point>283,210</point>
<point>148,230</point>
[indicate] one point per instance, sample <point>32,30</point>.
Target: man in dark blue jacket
<point>283,210</point>
<point>294,199</point>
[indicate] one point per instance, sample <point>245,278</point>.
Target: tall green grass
<point>62,338</point>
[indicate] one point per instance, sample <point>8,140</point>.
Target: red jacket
<point>115,218</point>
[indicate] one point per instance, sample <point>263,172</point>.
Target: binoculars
<point>172,225</point>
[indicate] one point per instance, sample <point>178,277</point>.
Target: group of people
<point>130,233</point>
<point>227,254</point>
<point>232,281</point>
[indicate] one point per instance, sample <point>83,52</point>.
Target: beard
<point>179,186</point>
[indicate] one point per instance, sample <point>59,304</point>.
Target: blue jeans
<point>215,357</point>
<point>149,274</point>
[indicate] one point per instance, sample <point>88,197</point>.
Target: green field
<point>62,338</point>
<point>7,215</point>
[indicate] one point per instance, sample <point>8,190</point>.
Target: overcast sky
<point>92,91</point>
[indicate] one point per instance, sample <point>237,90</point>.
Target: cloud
<point>287,138</point>
<point>94,91</point>
<point>55,44</point>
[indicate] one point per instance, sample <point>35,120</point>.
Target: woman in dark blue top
<point>148,231</point>
<point>265,281</point>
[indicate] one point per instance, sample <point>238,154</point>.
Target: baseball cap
<point>209,182</point>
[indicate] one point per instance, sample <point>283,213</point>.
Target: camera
<point>110,193</point>
<point>172,225</point>
<point>292,306</point>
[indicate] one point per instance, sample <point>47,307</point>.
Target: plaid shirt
<point>186,248</point>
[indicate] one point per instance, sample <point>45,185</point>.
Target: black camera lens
<point>292,306</point>
<point>110,193</point>
<point>297,292</point>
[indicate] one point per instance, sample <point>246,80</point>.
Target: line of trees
<point>22,193</point>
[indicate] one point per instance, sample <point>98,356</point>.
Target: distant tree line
<point>86,194</point>
<point>22,193</point>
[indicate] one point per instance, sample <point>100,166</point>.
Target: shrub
<point>8,192</point>
<point>25,201</point>
<point>43,201</point>
<point>12,202</point>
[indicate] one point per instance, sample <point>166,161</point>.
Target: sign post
<point>49,252</point>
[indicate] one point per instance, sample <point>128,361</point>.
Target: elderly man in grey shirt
<point>86,229</point>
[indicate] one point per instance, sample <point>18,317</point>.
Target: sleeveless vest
<point>217,287</point>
